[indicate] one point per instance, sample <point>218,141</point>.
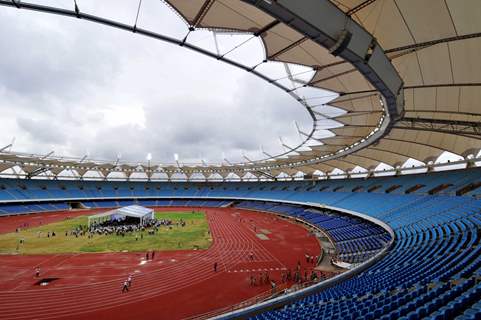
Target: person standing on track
<point>273,286</point>
<point>153,255</point>
<point>215,266</point>
<point>129,280</point>
<point>37,272</point>
<point>125,287</point>
<point>297,277</point>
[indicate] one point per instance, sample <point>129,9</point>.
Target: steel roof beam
<point>465,128</point>
<point>434,42</point>
<point>360,6</point>
<point>330,27</point>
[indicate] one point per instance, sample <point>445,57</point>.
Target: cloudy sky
<point>75,87</point>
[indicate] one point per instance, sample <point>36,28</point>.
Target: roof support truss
<point>203,11</point>
<point>470,128</point>
<point>36,172</point>
<point>434,42</point>
<point>326,24</point>
<point>360,6</point>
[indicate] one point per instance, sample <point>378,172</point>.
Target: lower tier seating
<point>433,271</point>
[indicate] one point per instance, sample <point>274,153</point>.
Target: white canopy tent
<point>134,211</point>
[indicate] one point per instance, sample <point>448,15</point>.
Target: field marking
<point>262,236</point>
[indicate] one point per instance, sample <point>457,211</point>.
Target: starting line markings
<point>257,270</point>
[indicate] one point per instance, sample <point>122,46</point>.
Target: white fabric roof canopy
<point>134,211</point>
<point>432,44</point>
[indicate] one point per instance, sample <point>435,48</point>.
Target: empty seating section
<point>9,209</point>
<point>432,271</point>
<point>325,191</point>
<point>35,207</point>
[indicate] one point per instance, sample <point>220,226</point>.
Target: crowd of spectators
<point>122,227</point>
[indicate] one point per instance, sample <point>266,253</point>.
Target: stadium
<point>372,210</point>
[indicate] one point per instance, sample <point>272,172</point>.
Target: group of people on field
<point>259,280</point>
<point>122,227</point>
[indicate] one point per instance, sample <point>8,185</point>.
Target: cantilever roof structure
<point>407,72</point>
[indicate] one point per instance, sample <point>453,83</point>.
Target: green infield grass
<point>194,235</point>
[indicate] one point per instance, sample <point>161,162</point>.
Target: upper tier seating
<point>324,191</point>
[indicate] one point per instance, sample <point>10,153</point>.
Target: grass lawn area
<point>194,234</point>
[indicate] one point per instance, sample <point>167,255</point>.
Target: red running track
<point>176,285</point>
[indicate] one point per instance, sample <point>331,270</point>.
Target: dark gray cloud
<point>41,131</point>
<point>77,87</point>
